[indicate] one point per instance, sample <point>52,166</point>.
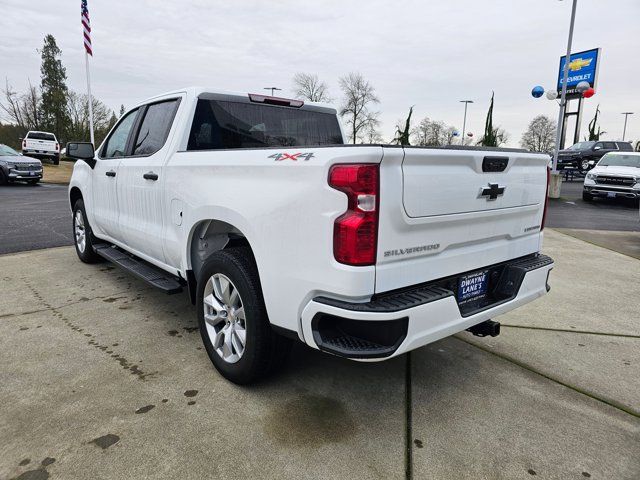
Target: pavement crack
<point>586,332</point>
<point>408,404</point>
<point>607,401</point>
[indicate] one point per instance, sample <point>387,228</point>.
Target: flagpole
<point>86,61</point>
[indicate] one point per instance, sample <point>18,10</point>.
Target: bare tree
<point>358,97</point>
<point>372,134</point>
<point>432,133</point>
<point>78,112</point>
<point>22,109</point>
<point>309,87</point>
<point>540,135</point>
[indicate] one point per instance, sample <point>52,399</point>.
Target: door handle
<point>150,176</point>
<point>110,173</point>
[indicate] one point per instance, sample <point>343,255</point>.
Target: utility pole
<point>556,179</point>
<point>273,89</point>
<point>464,122</point>
<point>624,131</point>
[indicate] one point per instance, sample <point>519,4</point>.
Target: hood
<point>19,159</point>
<point>569,153</point>
<point>613,170</point>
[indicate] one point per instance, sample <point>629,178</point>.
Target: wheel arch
<point>75,194</point>
<point>207,237</point>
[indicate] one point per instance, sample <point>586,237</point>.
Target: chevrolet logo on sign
<point>579,63</point>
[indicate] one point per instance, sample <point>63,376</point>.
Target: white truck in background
<point>280,231</point>
<point>41,145</point>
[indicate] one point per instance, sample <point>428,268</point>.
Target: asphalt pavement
<point>33,217</point>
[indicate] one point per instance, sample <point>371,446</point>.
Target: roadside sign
<point>583,66</point>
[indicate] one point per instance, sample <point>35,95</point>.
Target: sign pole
<point>86,61</point>
<point>563,96</point>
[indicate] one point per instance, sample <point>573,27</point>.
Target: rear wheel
<point>233,320</point>
<point>587,197</point>
<point>82,235</point>
<point>56,160</point>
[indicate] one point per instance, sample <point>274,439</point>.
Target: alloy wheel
<point>79,231</point>
<point>225,318</point>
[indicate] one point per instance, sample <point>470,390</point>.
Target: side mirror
<point>597,147</point>
<point>82,151</point>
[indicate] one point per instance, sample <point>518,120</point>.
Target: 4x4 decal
<point>279,157</point>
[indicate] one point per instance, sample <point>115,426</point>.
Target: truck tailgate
<point>448,211</point>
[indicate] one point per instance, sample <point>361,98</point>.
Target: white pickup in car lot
<point>617,175</point>
<point>278,229</point>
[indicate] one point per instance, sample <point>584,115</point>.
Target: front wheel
<point>583,165</point>
<point>82,235</point>
<point>233,320</point>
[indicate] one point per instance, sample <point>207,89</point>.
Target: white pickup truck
<point>41,145</point>
<point>280,231</point>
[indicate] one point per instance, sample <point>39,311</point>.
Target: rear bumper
<point>39,153</point>
<point>396,323</point>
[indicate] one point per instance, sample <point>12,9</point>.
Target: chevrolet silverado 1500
<point>280,231</point>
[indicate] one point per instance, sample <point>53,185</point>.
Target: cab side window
<point>155,127</point>
<point>609,145</point>
<point>116,145</point>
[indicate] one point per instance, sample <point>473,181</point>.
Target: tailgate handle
<point>494,164</point>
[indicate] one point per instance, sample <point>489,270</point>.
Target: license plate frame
<point>473,286</point>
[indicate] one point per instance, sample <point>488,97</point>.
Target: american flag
<point>86,25</point>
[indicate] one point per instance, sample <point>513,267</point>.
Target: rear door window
<point>225,124</point>
<point>41,136</point>
<point>155,127</point>
<point>625,147</point>
<point>116,145</point>
<point>609,145</point>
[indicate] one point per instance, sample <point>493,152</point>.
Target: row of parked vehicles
<point>27,166</point>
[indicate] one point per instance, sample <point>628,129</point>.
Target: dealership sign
<point>583,67</point>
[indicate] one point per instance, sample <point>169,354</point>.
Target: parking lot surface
<point>103,377</point>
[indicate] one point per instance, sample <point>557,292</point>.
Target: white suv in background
<point>41,145</point>
<point>617,175</point>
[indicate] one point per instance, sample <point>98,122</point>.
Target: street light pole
<point>272,89</point>
<point>563,96</point>
<point>624,131</point>
<point>464,122</point>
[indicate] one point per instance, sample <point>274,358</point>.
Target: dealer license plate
<point>473,286</point>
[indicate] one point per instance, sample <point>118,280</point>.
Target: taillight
<point>57,147</point>
<point>355,232</point>
<point>546,200</point>
<point>24,144</point>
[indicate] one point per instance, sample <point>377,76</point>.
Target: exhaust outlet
<point>488,328</point>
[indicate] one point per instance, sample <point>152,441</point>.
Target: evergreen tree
<point>54,90</point>
<point>594,135</point>
<point>122,111</point>
<point>490,135</point>
<point>402,135</point>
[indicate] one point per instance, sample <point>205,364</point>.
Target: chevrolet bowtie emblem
<point>492,192</point>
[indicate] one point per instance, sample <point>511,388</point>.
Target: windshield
<point>7,151</point>
<point>582,146</point>
<point>617,160</point>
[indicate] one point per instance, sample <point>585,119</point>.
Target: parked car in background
<point>617,175</point>
<point>15,167</point>
<point>584,155</point>
<point>41,145</point>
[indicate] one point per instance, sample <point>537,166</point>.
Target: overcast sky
<point>430,54</point>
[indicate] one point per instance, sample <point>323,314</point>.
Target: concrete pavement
<point>103,377</point>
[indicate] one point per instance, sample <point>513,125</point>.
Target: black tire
<point>264,350</point>
<point>56,160</point>
<point>587,197</point>
<point>3,178</point>
<point>87,255</point>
